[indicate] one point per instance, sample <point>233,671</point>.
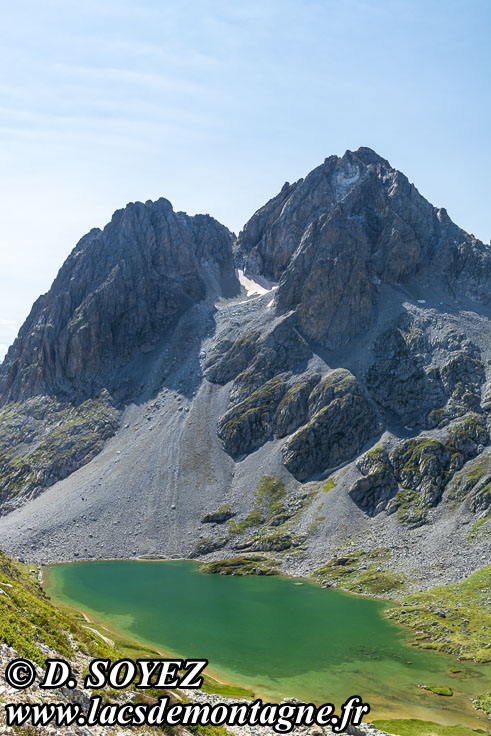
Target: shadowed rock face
<point>353,224</point>
<point>119,291</point>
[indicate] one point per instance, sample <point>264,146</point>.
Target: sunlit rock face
<point>351,226</point>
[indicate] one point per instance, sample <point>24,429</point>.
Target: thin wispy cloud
<point>104,76</point>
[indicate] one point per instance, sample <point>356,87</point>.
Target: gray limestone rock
<point>249,423</point>
<point>293,410</point>
<point>399,379</point>
<point>353,224</point>
<point>377,484</point>
<point>120,290</point>
<point>336,431</point>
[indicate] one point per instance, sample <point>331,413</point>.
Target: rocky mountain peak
<point>288,215</point>
<point>119,291</point>
<point>353,225</point>
<point>332,241</point>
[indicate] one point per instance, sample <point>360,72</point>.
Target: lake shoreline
<point>219,677</point>
<point>96,620</point>
<point>282,575</point>
<point>393,602</point>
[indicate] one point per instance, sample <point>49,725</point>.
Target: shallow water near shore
<point>271,635</point>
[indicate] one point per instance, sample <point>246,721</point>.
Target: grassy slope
<point>465,606</point>
<point>28,621</point>
<point>361,572</point>
<point>454,619</point>
<point>451,618</point>
<point>413,727</point>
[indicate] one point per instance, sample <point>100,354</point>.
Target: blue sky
<point>214,104</point>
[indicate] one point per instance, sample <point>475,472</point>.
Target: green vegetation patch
<point>451,618</point>
<point>269,540</point>
<point>411,507</point>
<point>268,501</point>
<point>376,457</point>
<point>253,518</point>
<point>270,494</point>
<point>477,528</point>
<point>360,572</point>
<point>414,727</point>
<point>465,481</point>
<point>28,619</point>
<point>329,485</point>
<point>438,689</point>
<point>414,456</point>
<point>483,702</point>
<point>253,565</point>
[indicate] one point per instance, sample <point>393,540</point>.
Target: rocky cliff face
<point>352,225</point>
<point>120,290</point>
<point>348,399</point>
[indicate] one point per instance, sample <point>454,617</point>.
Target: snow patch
<point>345,179</point>
<point>255,284</point>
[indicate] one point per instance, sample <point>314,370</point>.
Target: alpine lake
<point>278,637</point>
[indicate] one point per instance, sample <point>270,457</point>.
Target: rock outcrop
<point>411,478</point>
<point>293,410</point>
<point>43,440</point>
<point>251,360</point>
<point>377,484</point>
<point>82,351</point>
<point>341,422</point>
<point>248,424</point>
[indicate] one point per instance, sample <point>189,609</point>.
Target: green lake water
<point>272,636</point>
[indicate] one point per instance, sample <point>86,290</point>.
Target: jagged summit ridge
<point>332,240</point>
<point>118,291</point>
<point>298,204</point>
<point>352,225</point>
